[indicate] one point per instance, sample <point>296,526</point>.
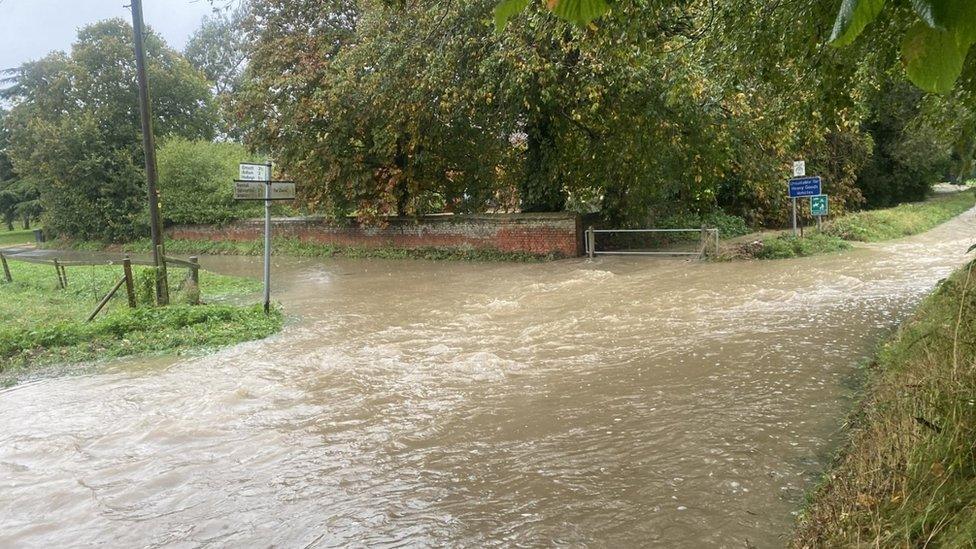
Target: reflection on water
<point>618,402</point>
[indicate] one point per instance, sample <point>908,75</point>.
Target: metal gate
<point>709,238</point>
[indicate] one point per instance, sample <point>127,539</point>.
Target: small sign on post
<point>799,168</point>
<point>255,184</point>
<point>818,205</point>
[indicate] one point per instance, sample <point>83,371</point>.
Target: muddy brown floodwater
<point>614,403</point>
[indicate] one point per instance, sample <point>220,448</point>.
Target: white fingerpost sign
<point>282,190</point>
<point>255,184</point>
<point>249,190</point>
<point>799,168</point>
<point>255,172</point>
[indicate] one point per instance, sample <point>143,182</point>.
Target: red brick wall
<point>537,233</point>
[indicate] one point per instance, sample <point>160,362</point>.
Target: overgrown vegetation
<point>697,105</point>
<point>298,248</point>
<point>907,476</point>
<point>902,220</point>
<point>196,181</point>
<point>787,245</point>
<point>41,323</point>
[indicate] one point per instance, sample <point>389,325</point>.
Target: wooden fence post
<point>130,290</point>
<point>57,271</point>
<point>6,269</point>
<point>105,300</point>
<point>161,279</point>
<point>195,278</point>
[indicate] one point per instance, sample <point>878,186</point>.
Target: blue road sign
<point>804,186</point>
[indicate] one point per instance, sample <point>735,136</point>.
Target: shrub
<point>196,182</point>
<point>786,246</point>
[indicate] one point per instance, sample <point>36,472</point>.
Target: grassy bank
<point>298,248</point>
<point>902,220</point>
<point>12,238</point>
<point>907,476</point>
<point>40,323</point>
<point>785,246</point>
<point>868,226</point>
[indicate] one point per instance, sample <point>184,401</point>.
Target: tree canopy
<point>386,107</point>
<point>74,127</point>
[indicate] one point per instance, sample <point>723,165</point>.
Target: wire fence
<point>127,279</point>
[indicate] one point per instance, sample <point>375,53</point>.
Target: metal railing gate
<point>708,236</point>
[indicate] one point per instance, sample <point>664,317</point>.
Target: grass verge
<point>907,475</point>
<point>869,226</point>
<point>901,220</point>
<point>40,323</point>
<point>785,246</point>
<point>299,248</point>
<point>11,238</point>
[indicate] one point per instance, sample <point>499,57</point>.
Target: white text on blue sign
<point>804,186</point>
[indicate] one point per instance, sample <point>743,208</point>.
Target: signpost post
<point>800,187</point>
<point>255,183</point>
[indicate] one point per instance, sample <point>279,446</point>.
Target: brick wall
<point>536,233</point>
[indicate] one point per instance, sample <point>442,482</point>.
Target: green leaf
<point>580,12</point>
<point>933,57</point>
<point>506,10</point>
<point>955,16</point>
<point>854,15</point>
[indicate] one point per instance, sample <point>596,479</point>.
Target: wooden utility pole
<point>149,145</point>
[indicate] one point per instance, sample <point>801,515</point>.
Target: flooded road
<point>620,402</point>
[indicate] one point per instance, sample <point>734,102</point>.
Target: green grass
<point>40,323</point>
<point>786,246</point>
<point>902,220</point>
<point>868,226</point>
<point>11,238</point>
<point>907,475</point>
<point>298,248</point>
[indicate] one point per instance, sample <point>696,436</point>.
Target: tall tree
<point>74,127</point>
<point>219,49</point>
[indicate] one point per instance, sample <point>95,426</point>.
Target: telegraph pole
<point>149,145</point>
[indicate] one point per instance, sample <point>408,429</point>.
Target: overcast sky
<point>29,29</point>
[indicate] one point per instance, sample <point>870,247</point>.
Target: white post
<point>794,218</point>
<point>590,242</point>
<point>267,242</point>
